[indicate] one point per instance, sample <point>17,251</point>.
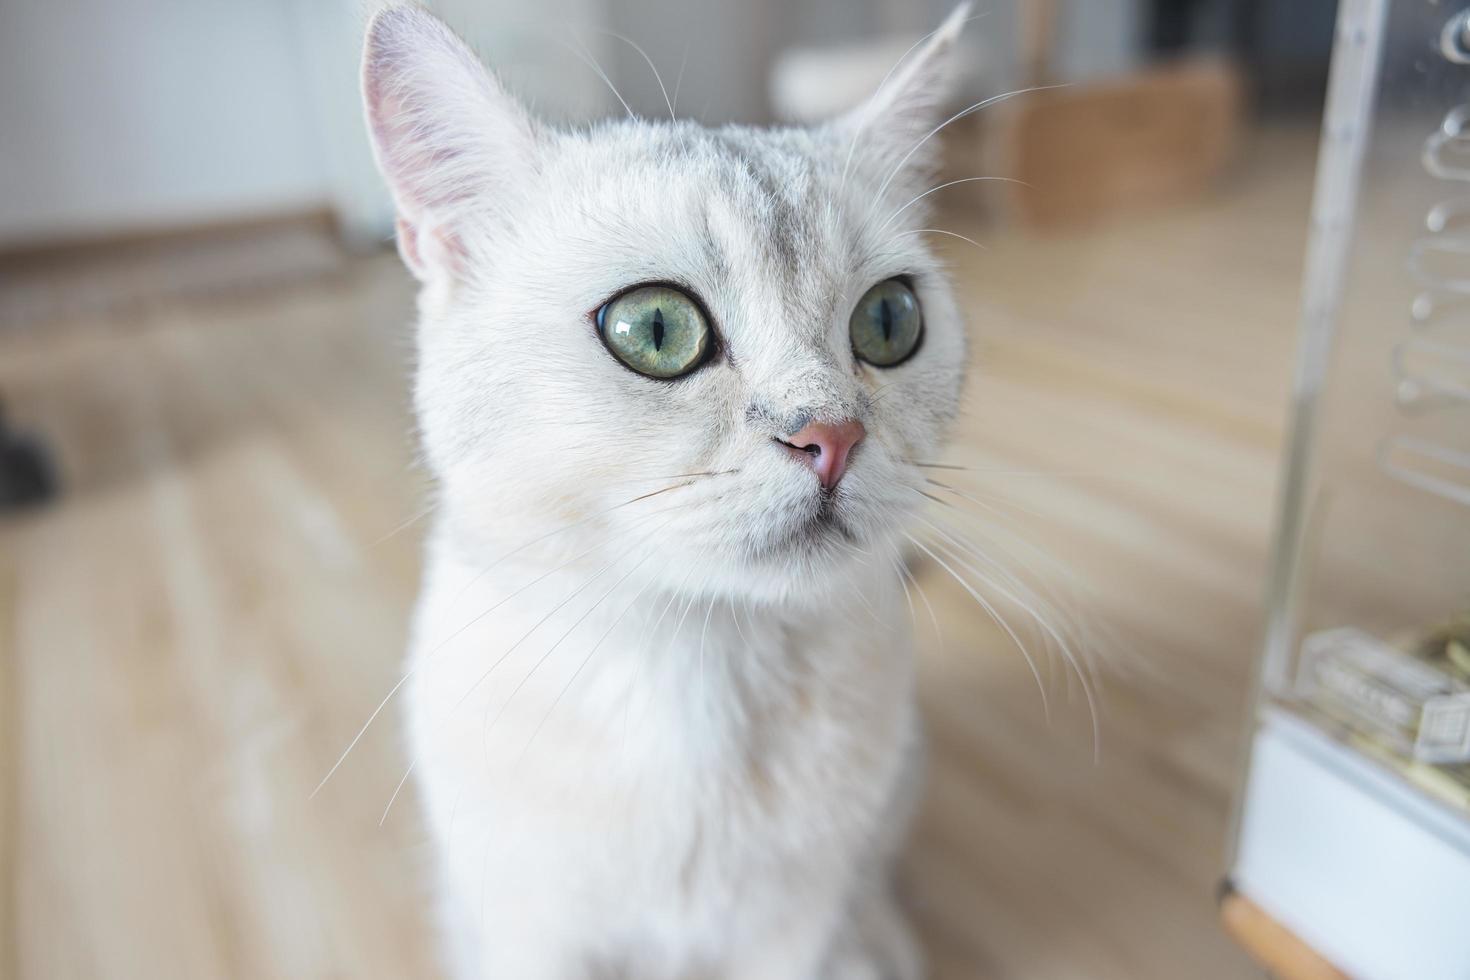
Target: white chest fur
<point>616,774</point>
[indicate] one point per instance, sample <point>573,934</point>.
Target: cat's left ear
<point>890,131</point>
<point>450,141</point>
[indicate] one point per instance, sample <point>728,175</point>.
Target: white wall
<point>150,113</point>
<point>123,115</point>
<point>1097,38</point>
<point>127,115</point>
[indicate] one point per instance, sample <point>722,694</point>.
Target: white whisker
<point>556,609</point>
<point>989,507</point>
<point>580,51</point>
<point>399,789</point>
<point>1065,646</point>
<point>982,471</point>
<point>568,527</point>
<point>735,618</point>
<point>559,640</point>
<point>896,560</point>
<point>1018,542</point>
<point>423,661</point>
<point>652,67</point>
<point>407,523</point>
<point>994,615</point>
<point>703,636</point>
<point>580,667</point>
<point>678,81</point>
<point>982,104</point>
<point>942,231</point>
<point>867,605</point>
<point>949,183</point>
<point>924,598</point>
<point>646,635</point>
<point>414,761</point>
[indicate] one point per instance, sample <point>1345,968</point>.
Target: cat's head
<point>747,317</point>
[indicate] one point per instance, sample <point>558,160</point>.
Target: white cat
<point>671,381</point>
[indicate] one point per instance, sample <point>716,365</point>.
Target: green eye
<point>655,330</point>
<point>886,325</point>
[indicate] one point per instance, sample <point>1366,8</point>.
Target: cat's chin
<point>806,560</point>
<point>823,536</point>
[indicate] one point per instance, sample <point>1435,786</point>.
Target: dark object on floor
<point>27,477</point>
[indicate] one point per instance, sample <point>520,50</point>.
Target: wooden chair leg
<point>1271,944</point>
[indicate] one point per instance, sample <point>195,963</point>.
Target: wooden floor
<point>189,640</point>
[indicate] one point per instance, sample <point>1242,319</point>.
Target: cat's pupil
<point>658,329</point>
<point>885,317</point>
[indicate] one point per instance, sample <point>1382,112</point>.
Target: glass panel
<point>1370,620</point>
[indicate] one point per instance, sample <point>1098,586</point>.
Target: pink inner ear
<point>416,155</point>
<point>437,248</point>
<point>442,130</point>
<point>416,170</point>
<point>411,144</point>
<point>408,246</point>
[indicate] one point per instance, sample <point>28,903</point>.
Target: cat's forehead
<point>770,180</point>
<point>764,207</point>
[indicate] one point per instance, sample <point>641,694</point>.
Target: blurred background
<point>212,514</point>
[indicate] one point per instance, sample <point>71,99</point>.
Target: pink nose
<point>826,446</point>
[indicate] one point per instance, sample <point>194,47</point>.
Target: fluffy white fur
<point>661,702</point>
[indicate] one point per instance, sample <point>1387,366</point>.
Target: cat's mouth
<point>827,515</point>
<point>818,532</point>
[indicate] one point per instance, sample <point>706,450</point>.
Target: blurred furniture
<point>112,279</point>
<point>1147,137</point>
<point>1353,832</point>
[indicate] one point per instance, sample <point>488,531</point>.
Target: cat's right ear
<point>447,137</point>
<point>892,130</point>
